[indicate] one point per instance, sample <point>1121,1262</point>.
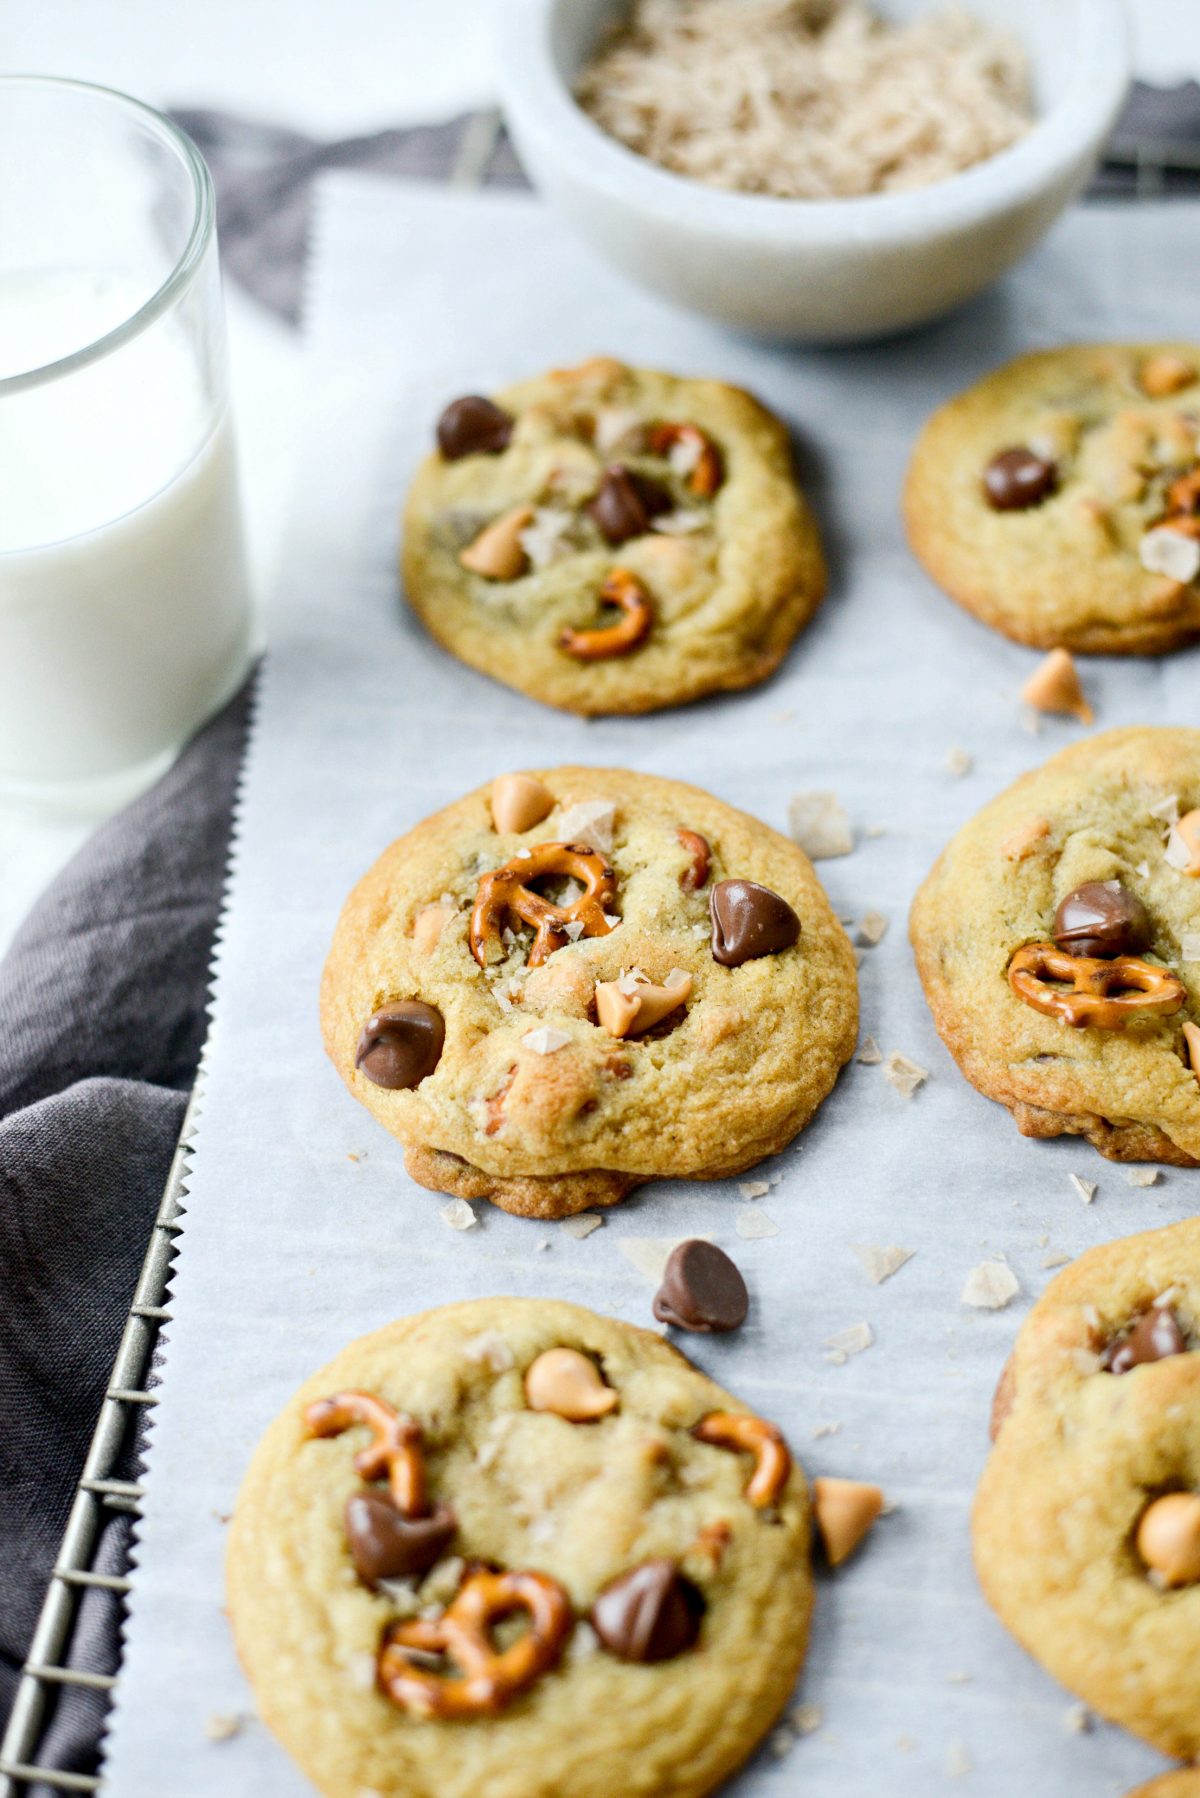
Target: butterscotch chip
<point>844,1511</point>
<point>498,553</point>
<point>1165,374</point>
<point>519,801</point>
<point>1183,845</point>
<point>570,1384</point>
<point>1054,686</point>
<point>428,926</point>
<point>1168,1538</point>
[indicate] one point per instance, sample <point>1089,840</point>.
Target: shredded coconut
<point>808,99</point>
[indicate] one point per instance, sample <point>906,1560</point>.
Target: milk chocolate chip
<point>749,921</point>
<point>1102,918</point>
<point>1017,479</point>
<point>1154,1337</point>
<point>473,426</point>
<point>626,503</point>
<point>401,1044</point>
<point>701,1289</point>
<point>650,1614</point>
<point>385,1544</point>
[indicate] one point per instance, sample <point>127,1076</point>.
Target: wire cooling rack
<point>1153,170</point>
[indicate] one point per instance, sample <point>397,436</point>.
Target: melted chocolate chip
<point>1155,1336</point>
<point>385,1544</point>
<point>1102,918</point>
<point>749,921</point>
<point>401,1044</point>
<point>650,1614</point>
<point>701,1289</point>
<point>1017,479</point>
<point>626,503</point>
<point>473,426</point>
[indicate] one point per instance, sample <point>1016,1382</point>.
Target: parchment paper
<point>302,1230</point>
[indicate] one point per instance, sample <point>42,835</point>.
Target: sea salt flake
<point>806,1719</point>
<point>685,453</point>
<point>1166,810</point>
<point>958,1761</point>
<point>581,1225</point>
<point>222,1726</point>
<point>754,1189</point>
<point>681,523</point>
<point>1055,1259</point>
<point>959,1678</point>
<point>649,1254</point>
<point>990,1286</point>
<point>1143,868</point>
<point>1164,551</point>
<point>524,855</point>
<point>1085,1188</point>
<point>490,1348</point>
<point>958,762</point>
<point>617,427</point>
<point>904,1075</point>
<point>573,929</point>
<point>753,1224</point>
<point>611,919</point>
<point>825,1429</point>
<point>1143,1176</point>
<point>629,983</point>
<point>1077,1719</point>
<point>545,1040</point>
<point>872,928</point>
<point>869,1055</point>
<point>458,1215</point>
<point>360,1670</point>
<point>677,977</point>
<point>880,1262</point>
<point>1189,945</point>
<point>1177,853</point>
<point>584,1641</point>
<point>781,1744</point>
<point>590,821</point>
<point>844,1343</point>
<point>819,824</point>
<point>545,540</point>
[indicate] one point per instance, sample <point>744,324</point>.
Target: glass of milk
<point>125,615</point>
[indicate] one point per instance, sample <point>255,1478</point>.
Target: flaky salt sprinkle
<point>824,1429</point>
<point>1055,1259</point>
<point>1189,946</point>
<point>818,822</point>
<point>751,1225</point>
<point>1143,1176</point>
<point>902,1074</point>
<point>581,1225</point>
<point>1166,551</point>
<point>1085,1188</point>
<point>680,523</point>
<point>458,1215</point>
<point>869,1054</point>
<point>806,1719</point>
<point>754,1189</point>
<point>1177,854</point>
<point>872,927</point>
<point>958,762</point>
<point>880,1261</point>
<point>844,1343</point>
<point>222,1726</point>
<point>958,1761</point>
<point>545,1040</point>
<point>1077,1719</point>
<point>649,1254</point>
<point>990,1286</point>
<point>590,821</point>
<point>491,1349</point>
<point>1166,811</point>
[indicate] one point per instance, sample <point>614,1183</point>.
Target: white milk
<point>124,610</point>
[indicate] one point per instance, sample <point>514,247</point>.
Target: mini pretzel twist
<point>394,1453</point>
<point>505,891</point>
<point>1105,994</point>
<point>490,1679</point>
<point>1183,495</point>
<point>753,1436</point>
<point>706,474</point>
<point>623,590</point>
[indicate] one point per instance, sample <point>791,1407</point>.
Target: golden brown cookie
<point>1183,1783</point>
<point>1058,941</point>
<point>517,1549</point>
<point>1059,498</point>
<point>611,539</point>
<point>579,979</point>
<point>1086,1524</point>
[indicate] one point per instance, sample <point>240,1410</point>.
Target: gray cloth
<point>102,994</point>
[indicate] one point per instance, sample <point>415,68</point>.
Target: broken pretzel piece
<point>623,590</point>
<point>1082,990</point>
<point>490,1678</point>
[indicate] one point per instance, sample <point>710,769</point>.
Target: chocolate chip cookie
<point>1058,940</point>
<point>610,539</point>
<point>1059,498</point>
<point>512,1547</point>
<point>579,979</point>
<point>1087,1519</point>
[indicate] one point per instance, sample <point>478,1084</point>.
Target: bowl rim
<point>541,107</point>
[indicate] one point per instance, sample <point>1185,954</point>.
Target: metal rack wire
<point>101,1494</point>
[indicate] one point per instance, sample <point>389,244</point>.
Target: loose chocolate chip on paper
<point>1155,1336</point>
<point>749,920</point>
<point>626,503</point>
<point>649,1614</point>
<point>1102,918</point>
<point>473,426</point>
<point>385,1544</point>
<point>701,1289</point>
<point>401,1044</point>
<point>1017,479</point>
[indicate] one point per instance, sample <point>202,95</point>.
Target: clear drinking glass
<point>125,614</point>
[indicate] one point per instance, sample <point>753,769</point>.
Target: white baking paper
<point>302,1229</point>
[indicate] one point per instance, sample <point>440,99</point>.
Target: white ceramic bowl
<point>815,270</point>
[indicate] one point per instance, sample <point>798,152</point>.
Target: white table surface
<point>331,70</point>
